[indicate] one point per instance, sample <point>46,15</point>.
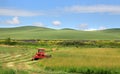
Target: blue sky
<point>76,14</point>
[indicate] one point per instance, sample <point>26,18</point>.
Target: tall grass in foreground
<point>84,60</point>
<point>12,71</point>
<point>7,71</point>
<point>64,60</point>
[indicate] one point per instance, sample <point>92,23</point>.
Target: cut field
<point>64,60</point>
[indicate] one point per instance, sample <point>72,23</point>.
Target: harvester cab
<point>41,54</point>
<point>41,50</point>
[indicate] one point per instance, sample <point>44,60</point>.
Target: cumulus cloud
<point>93,9</point>
<point>39,24</point>
<point>90,29</point>
<point>102,28</point>
<point>16,12</point>
<point>83,26</point>
<point>94,29</point>
<point>14,20</point>
<point>56,23</point>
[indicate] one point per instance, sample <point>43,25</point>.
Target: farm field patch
<point>64,60</point>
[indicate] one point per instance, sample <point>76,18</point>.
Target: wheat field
<point>64,60</point>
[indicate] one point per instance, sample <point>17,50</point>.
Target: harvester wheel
<point>35,59</point>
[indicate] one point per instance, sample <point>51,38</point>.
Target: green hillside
<point>67,29</point>
<point>32,32</point>
<point>114,30</point>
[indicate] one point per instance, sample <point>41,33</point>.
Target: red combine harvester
<point>40,54</point>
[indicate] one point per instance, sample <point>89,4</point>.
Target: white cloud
<point>93,9</point>
<point>93,29</point>
<point>90,29</point>
<point>83,26</point>
<point>39,24</point>
<point>112,9</point>
<point>102,28</point>
<point>14,20</point>
<point>56,23</point>
<point>16,12</point>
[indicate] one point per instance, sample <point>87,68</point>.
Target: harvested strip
<point>10,64</point>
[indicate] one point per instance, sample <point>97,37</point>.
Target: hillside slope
<point>32,32</point>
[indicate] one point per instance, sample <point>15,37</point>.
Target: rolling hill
<point>32,32</point>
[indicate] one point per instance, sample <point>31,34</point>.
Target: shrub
<point>9,41</point>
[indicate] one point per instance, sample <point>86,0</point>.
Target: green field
<point>32,32</point>
<point>75,51</point>
<point>65,60</point>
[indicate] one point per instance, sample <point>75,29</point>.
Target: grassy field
<point>65,60</point>
<point>31,32</point>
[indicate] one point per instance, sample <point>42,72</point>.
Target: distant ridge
<point>35,27</point>
<point>112,30</point>
<point>34,32</point>
<point>27,28</point>
<point>67,29</point>
<point>115,29</point>
<point>31,27</point>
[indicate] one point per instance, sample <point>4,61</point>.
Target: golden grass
<point>64,58</point>
<point>84,57</point>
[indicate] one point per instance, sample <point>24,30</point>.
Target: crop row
<point>76,43</point>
